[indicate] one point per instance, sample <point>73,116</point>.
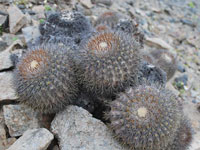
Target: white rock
<point>16,19</point>
<point>157,42</point>
<point>35,139</point>
<point>7,91</point>
<point>86,3</point>
<point>76,129</point>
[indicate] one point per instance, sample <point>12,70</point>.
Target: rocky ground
<point>173,25</point>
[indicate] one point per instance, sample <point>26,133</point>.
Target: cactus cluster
<point>101,69</point>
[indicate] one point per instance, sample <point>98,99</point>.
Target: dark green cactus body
<point>108,63</point>
<point>166,61</point>
<point>44,78</point>
<point>183,136</point>
<point>146,117</point>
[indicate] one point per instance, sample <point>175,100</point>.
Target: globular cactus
<point>108,62</point>
<point>65,24</point>
<point>102,28</point>
<point>149,72</point>
<point>183,136</point>
<point>165,60</point>
<point>131,28</point>
<point>44,78</point>
<point>109,18</point>
<point>146,117</point>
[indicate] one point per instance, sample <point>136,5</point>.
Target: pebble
<point>188,22</point>
<point>181,68</point>
<point>76,129</point>
<point>183,79</point>
<point>35,139</point>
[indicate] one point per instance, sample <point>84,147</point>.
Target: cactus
<point>44,78</point>
<point>66,24</point>
<point>149,72</point>
<point>146,117</point>
<point>102,28</point>
<point>183,137</point>
<point>165,60</point>
<point>109,18</point>
<point>108,62</point>
<point>131,27</point>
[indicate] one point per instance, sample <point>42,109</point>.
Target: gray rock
<point>2,133</point>
<point>35,139</point>
<point>86,3</point>
<point>4,144</point>
<point>183,79</point>
<point>5,59</point>
<point>105,2</point>
<point>157,42</point>
<point>7,91</point>
<point>3,45</point>
<point>181,68</point>
<point>16,19</point>
<point>5,62</point>
<point>31,33</point>
<point>19,118</point>
<point>3,21</point>
<point>76,129</point>
<point>39,10</point>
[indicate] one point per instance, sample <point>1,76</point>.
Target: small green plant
<point>47,8</point>
<point>21,2</point>
<point>42,20</point>
<point>14,39</point>
<point>191,4</point>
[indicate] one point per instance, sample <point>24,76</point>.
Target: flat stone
<point>7,91</point>
<point>16,19</point>
<point>76,129</point>
<point>35,139</point>
<point>86,3</point>
<point>157,42</point>
<point>19,118</point>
